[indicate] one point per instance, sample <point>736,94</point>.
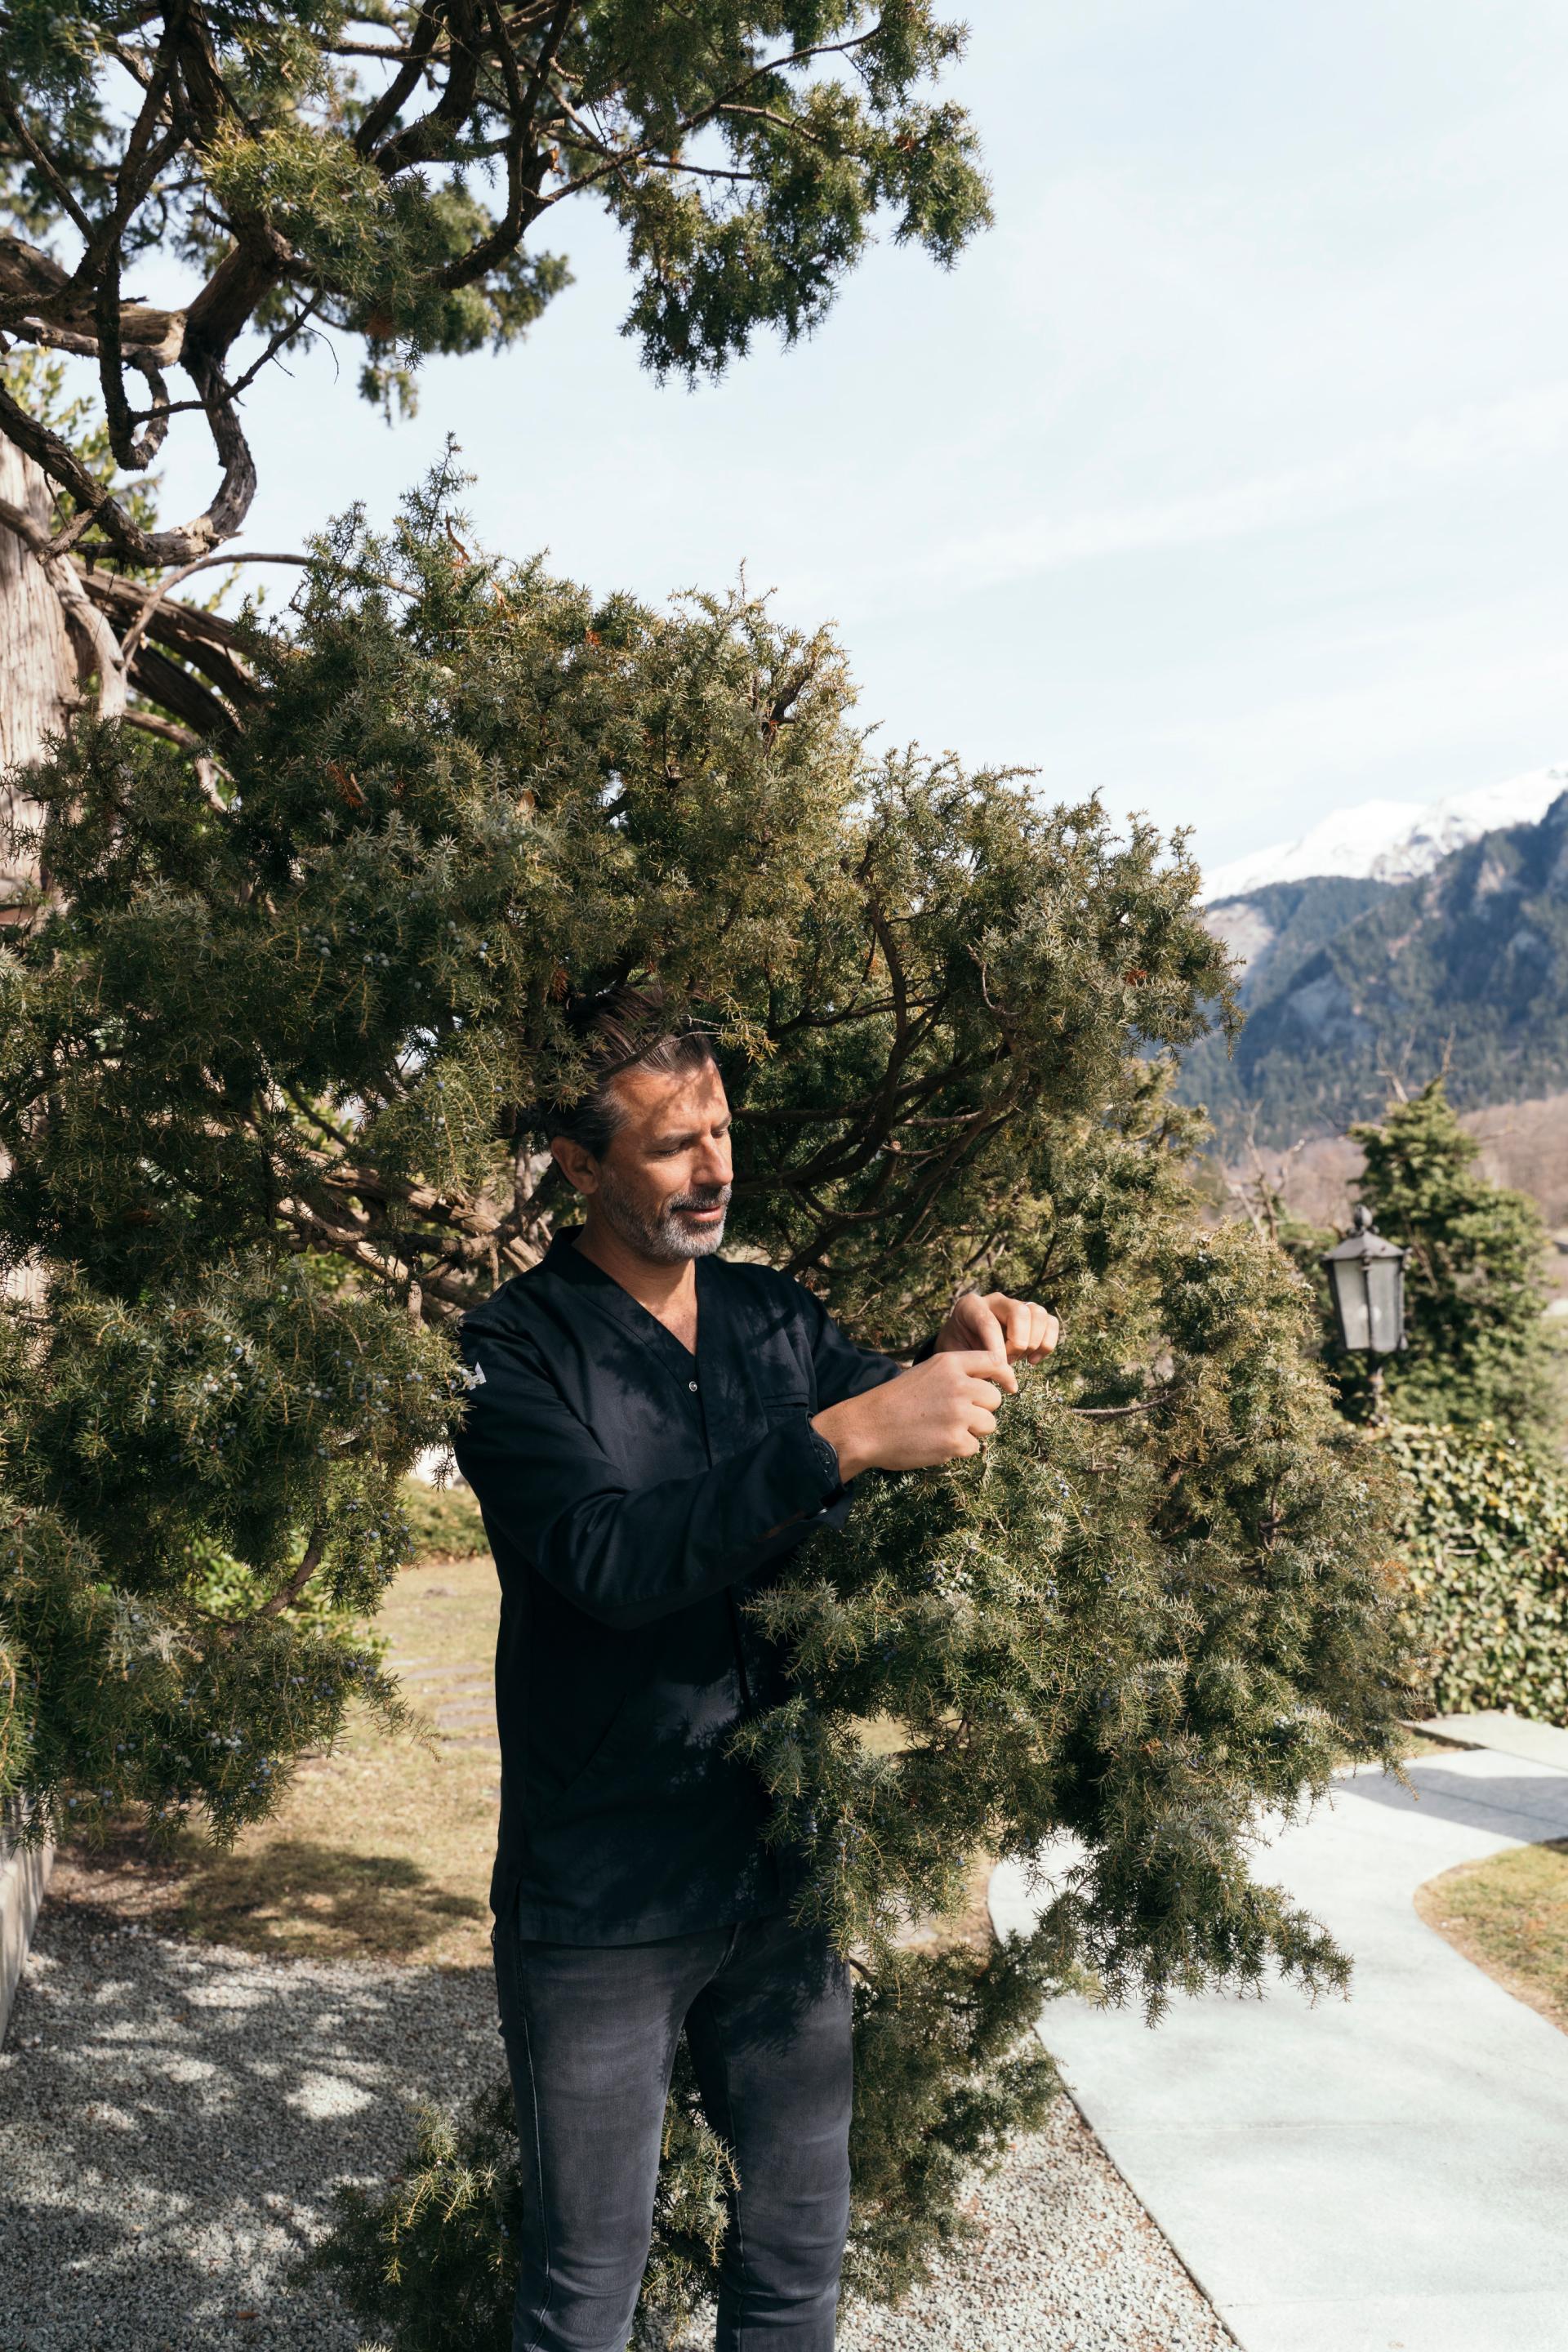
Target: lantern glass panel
<point>1385,1282</point>
<point>1348,1276</point>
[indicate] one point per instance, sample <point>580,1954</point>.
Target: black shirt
<point>632,1493</point>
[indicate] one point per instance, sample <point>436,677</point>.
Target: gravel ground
<point>173,2117</point>
<point>1068,2262</point>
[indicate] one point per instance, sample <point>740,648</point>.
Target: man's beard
<point>662,1237</point>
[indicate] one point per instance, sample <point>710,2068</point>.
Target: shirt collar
<point>563,1257</point>
<point>566,1259</point>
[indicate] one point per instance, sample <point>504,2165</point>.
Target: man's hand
<point>936,1411</point>
<point>945,1408</point>
<point>1012,1330</point>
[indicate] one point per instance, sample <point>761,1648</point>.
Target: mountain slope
<point>1469,961</point>
<point>1274,930</point>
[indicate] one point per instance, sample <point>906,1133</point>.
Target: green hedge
<point>444,1522</point>
<point>1484,1538</point>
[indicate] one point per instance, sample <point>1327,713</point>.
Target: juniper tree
<point>1476,1349</point>
<point>265,1086</point>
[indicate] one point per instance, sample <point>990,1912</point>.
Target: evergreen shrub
<point>1113,1642</point>
<point>946,2072</point>
<point>1477,1348</point>
<point>444,1522</point>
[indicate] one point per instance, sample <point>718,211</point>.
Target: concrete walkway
<point>1510,1735</point>
<point>1383,2174</point>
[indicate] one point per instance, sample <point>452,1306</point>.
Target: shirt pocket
<point>782,1384</point>
<point>787,1396</point>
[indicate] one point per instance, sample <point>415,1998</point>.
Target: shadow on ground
<point>298,1897</point>
<point>315,1902</point>
<point>173,2119</point>
<point>1453,1795</point>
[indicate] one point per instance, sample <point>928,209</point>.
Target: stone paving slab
<point>1389,2170</point>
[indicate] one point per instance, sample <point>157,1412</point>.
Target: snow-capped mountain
<point>1391,841</point>
<point>1462,968</point>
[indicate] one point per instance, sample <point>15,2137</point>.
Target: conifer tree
<point>1476,1426</point>
<point>266,1065</point>
<point>1475,1348</point>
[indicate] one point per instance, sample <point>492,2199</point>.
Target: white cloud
<point>1427,720</point>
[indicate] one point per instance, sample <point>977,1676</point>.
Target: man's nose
<point>714,1162</point>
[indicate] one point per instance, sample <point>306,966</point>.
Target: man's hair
<point>624,1028</point>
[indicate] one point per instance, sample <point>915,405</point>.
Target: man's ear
<point>578,1165</point>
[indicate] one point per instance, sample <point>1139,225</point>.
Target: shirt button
<point>693,1386</point>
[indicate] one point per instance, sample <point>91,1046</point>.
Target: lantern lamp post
<point>1366,1276</point>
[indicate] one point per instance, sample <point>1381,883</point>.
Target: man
<point>651,1430</point>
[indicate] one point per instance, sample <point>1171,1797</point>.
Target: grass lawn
<point>1509,1916</point>
<point>380,1850</point>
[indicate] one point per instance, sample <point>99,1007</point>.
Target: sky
<point>1226,476</point>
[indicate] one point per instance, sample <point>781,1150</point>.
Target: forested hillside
<point>1349,980</point>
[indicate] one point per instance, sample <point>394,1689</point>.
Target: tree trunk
<point>38,669</point>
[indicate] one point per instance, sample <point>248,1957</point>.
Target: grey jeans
<point>590,2033</point>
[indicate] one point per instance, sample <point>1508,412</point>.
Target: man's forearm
<point>628,1559</point>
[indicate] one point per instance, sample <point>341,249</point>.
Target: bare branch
<point>1118,1412</point>
<point>62,464</point>
<point>205,640</point>
<point>403,84</point>
<point>151,724</point>
<point>177,689</point>
<point>149,338</point>
<point>43,162</point>
<point>285,334</point>
<point>521,184</point>
<point>289,1593</point>
<point>427,138</point>
<point>726,102</point>
<point>202,563</point>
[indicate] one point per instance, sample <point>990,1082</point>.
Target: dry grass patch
<point>1427,1743</point>
<point>380,1850</point>
<point>1509,1916</point>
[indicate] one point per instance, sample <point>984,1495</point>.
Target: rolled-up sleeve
<point>624,1556</point>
